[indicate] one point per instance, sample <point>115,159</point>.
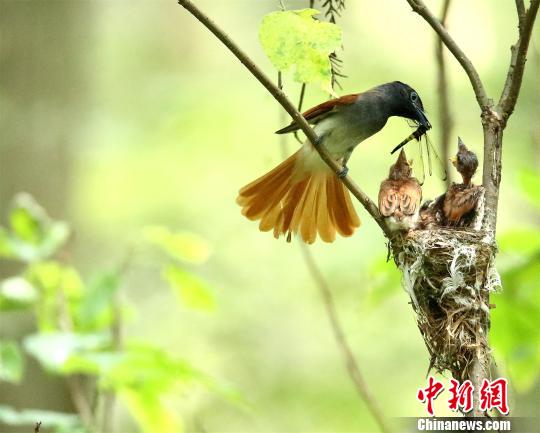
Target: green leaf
<point>17,293</point>
<point>34,236</point>
<point>11,362</point>
<point>53,350</point>
<point>49,419</point>
<point>192,291</point>
<point>138,366</point>
<point>530,184</point>
<point>296,40</point>
<point>146,379</point>
<point>55,281</point>
<point>95,363</point>
<point>153,412</point>
<point>183,246</point>
<point>145,367</point>
<point>96,310</point>
<point>26,219</point>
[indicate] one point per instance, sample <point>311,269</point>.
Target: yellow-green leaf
<point>11,362</point>
<point>295,40</point>
<point>193,292</point>
<point>182,246</point>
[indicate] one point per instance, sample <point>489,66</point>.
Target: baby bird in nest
<point>400,196</point>
<point>461,198</point>
<point>456,207</point>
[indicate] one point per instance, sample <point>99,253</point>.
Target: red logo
<point>430,393</point>
<point>492,395</point>
<point>462,396</point>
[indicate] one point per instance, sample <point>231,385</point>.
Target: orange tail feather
<point>290,199</point>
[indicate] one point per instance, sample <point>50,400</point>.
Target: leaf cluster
<point>79,323</point>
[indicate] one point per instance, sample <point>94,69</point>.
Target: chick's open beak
<point>453,160</point>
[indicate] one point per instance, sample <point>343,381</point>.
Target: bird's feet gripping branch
<point>302,194</point>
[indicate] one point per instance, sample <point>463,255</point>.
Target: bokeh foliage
<point>77,323</point>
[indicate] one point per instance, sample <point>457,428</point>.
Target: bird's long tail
<point>296,198</point>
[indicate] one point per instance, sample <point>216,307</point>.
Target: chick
<point>462,198</point>
<point>400,196</point>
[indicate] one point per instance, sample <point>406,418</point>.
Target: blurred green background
<point>117,115</point>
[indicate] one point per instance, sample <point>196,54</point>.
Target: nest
<point>448,274</point>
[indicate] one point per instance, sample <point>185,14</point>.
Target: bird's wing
<point>319,112</point>
<point>388,198</point>
<point>410,194</point>
<point>460,202</point>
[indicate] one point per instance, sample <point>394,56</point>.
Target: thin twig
<point>445,116</point>
<point>518,58</point>
<point>301,99</point>
<point>421,9</point>
<point>350,360</point>
<point>300,104</point>
<point>280,97</point>
<point>79,398</point>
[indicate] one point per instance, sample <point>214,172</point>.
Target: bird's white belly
<point>338,139</point>
<point>407,222</point>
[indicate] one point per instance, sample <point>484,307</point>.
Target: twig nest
<point>448,274</point>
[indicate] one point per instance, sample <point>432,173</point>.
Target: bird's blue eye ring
<point>414,97</point>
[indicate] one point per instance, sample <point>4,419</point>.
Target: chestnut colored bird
<point>400,196</point>
<point>461,199</point>
<point>465,162</point>
<point>302,194</point>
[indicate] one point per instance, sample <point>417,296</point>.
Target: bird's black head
<point>406,103</point>
<point>465,161</point>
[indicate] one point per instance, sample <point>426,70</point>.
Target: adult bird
<point>400,196</point>
<point>302,194</point>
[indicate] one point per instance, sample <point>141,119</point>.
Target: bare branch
<point>421,9</point>
<point>350,360</point>
<point>445,116</point>
<point>518,58</point>
<point>79,398</point>
<point>520,6</point>
<point>280,96</point>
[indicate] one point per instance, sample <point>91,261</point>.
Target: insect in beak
<point>421,130</point>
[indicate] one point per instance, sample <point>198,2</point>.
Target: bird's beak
<point>453,160</point>
<point>422,118</point>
